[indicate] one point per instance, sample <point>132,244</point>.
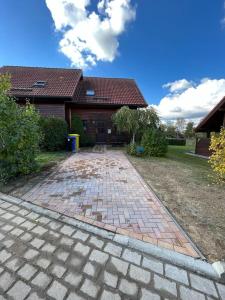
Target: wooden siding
<point>202,146</point>
<point>55,110</point>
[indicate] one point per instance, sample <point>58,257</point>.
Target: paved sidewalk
<point>104,189</point>
<point>41,258</point>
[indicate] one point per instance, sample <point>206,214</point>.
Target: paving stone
<point>96,242</point>
<point>113,249</point>
<point>7,227</point>
<point>119,265</point>
<point>187,294</point>
<point>30,254</point>
<point>54,225</point>
<point>19,291</point>
<point>76,262</point>
<point>4,255</point>
<point>203,285</point>
<point>43,220</point>
<point>90,269</point>
<point>34,296</point>
<point>221,289</point>
<point>148,295</point>
<point>27,271</point>
<point>8,243</point>
<point>54,235</point>
<point>32,216</point>
<point>2,236</point>
<point>73,279</point>
<point>67,230</point>
<point>48,248</point>
<point>1,270</point>
<point>153,265</point>
<point>43,262</point>
<point>28,225</point>
<point>23,212</point>
<point>57,290</point>
<point>110,279</point>
<point>14,264</point>
<point>6,280</point>
<point>176,274</point>
<point>107,295</point>
<point>37,243</point>
<point>165,285</point>
<point>26,237</point>
<point>99,257</point>
<point>74,296</point>
<point>13,208</point>
<point>39,230</point>
<point>82,249</point>
<point>17,232</point>
<point>65,241</point>
<point>128,288</point>
<point>139,274</point>
<point>18,220</point>
<point>41,280</point>
<point>90,288</point>
<point>132,256</point>
<point>7,216</point>
<point>58,270</point>
<point>81,236</point>
<point>62,255</point>
<point>5,205</point>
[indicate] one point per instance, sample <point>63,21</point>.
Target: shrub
<point>78,128</point>
<point>176,142</point>
<point>217,159</point>
<point>19,135</point>
<point>154,142</point>
<point>131,148</point>
<point>54,133</point>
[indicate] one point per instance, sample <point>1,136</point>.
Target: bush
<point>54,133</point>
<point>131,148</point>
<point>19,135</point>
<point>154,142</point>
<point>217,159</point>
<point>78,128</point>
<point>176,142</point>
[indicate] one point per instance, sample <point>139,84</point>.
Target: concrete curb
<point>189,263</point>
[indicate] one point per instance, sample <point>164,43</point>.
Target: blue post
<point>72,140</point>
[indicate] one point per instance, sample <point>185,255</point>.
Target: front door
<point>101,132</point>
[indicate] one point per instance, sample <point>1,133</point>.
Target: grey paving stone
<point>57,290</point>
<point>99,256</point>
<point>165,285</point>
<point>14,264</point>
<point>2,236</point>
<point>6,280</point>
<point>43,220</point>
<point>67,230</point>
<point>7,227</point>
<point>187,294</point>
<point>148,295</point>
<point>41,280</point>
<point>13,208</point>
<point>107,295</point>
<point>176,274</point>
<point>110,279</point>
<point>34,296</point>
<point>90,269</point>
<point>28,225</point>
<point>54,235</point>
<point>30,254</point>
<point>32,216</point>
<point>1,270</point>
<point>17,232</point>
<point>221,289</point>
<point>90,288</point>
<point>54,225</point>
<point>153,265</point>
<point>8,243</point>
<point>58,270</point>
<point>43,262</point>
<point>203,285</point>
<point>7,216</point>
<point>62,255</point>
<point>81,236</point>
<point>113,249</point>
<point>128,288</point>
<point>18,220</point>
<point>65,241</point>
<point>98,243</point>
<point>74,296</point>
<point>19,291</point>
<point>82,249</point>
<point>73,278</point>
<point>27,271</point>
<point>76,262</point>
<point>37,243</point>
<point>39,230</point>
<point>26,237</point>
<point>23,212</point>
<point>119,265</point>
<point>4,255</point>
<point>48,248</point>
<point>132,256</point>
<point>139,274</point>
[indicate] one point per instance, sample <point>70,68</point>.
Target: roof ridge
<point>119,78</point>
<point>51,68</point>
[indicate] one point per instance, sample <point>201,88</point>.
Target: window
<point>40,83</point>
<point>90,92</point>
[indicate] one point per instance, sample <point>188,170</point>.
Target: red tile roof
<point>118,91</point>
<point>59,82</point>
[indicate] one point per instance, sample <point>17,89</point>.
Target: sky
<point>174,49</point>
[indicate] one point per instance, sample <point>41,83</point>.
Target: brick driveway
<point>104,189</point>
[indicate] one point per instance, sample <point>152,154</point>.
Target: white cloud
<point>192,103</point>
<point>90,36</point>
<point>178,85</point>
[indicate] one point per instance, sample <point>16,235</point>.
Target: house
<point>64,92</point>
<point>211,123</point>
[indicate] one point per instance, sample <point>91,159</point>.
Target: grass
<point>48,159</point>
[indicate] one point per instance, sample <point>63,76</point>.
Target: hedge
<point>176,142</point>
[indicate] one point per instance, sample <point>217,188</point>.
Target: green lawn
<point>48,159</point>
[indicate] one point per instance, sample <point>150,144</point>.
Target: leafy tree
<point>180,126</point>
<point>171,131</point>
<point>19,134</point>
<point>189,130</point>
<point>217,159</point>
<point>154,142</point>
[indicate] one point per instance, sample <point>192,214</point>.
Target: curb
<point>189,263</point>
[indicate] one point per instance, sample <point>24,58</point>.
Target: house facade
<point>66,92</point>
<point>211,123</point>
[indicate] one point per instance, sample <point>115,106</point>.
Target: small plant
<point>154,142</point>
<point>131,148</point>
<point>217,159</point>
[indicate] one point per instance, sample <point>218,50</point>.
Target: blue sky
<point>159,42</point>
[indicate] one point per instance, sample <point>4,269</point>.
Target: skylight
<point>90,92</point>
<point>40,83</point>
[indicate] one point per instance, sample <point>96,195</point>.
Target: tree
<point>171,131</point>
<point>180,126</point>
<point>217,159</point>
<point>189,130</point>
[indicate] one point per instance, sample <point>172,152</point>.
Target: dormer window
<point>40,83</point>
<point>90,92</point>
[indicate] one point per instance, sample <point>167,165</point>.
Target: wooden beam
<point>224,120</point>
